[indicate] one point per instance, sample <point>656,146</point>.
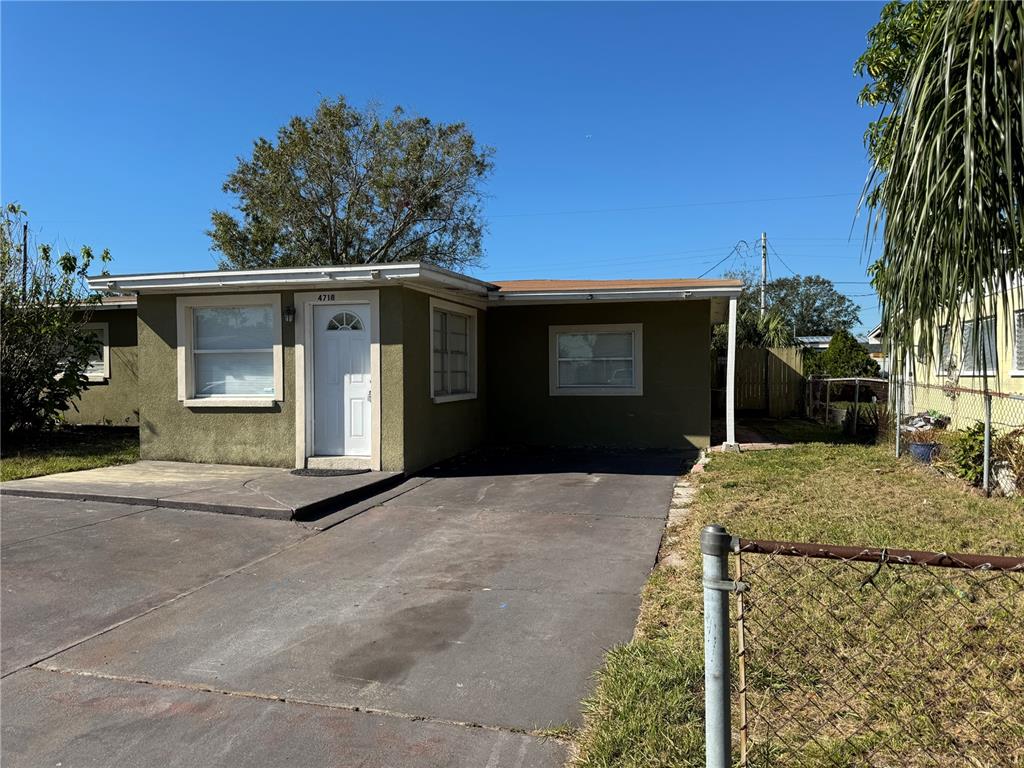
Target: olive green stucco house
<point>398,366</point>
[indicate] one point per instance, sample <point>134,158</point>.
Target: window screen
<point>601,360</point>
<point>97,367</point>
<point>1018,340</point>
<point>980,354</point>
<point>233,351</point>
<point>451,353</point>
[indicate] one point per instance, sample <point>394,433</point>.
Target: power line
<point>734,252</point>
<point>781,260</point>
<point>668,206</point>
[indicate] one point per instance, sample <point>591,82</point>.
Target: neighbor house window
<point>453,351</point>
<point>596,360</point>
<point>1018,342</point>
<point>945,352</point>
<point>229,350</point>
<point>980,353</point>
<point>98,368</point>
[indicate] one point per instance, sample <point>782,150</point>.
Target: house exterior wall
<point>674,410</point>
<point>170,431</point>
<point>928,389</point>
<point>434,431</point>
<point>415,432</point>
<point>114,401</point>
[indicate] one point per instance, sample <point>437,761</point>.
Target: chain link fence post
<point>715,544</point>
<point>856,405</point>
<point>898,414</point>
<point>987,479</point>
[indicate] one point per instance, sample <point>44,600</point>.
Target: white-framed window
<point>596,359</point>
<point>229,350</point>
<point>1018,343</point>
<point>99,362</point>
<point>453,362</point>
<point>980,359</point>
<point>945,358</point>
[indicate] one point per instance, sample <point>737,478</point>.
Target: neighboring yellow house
<point>950,378</point>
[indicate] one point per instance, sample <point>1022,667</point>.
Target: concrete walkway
<point>237,490</point>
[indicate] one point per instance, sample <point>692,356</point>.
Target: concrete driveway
<point>484,597</point>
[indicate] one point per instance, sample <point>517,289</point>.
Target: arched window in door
<point>345,321</point>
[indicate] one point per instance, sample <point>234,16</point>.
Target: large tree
<point>44,347</point>
<point>350,186</point>
<point>811,305</point>
<point>808,305</point>
<point>893,46</point>
<point>948,181</point>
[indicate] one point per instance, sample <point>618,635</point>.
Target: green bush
<point>844,357</point>
<point>44,348</point>
<point>967,453</point>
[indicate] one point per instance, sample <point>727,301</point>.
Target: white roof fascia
<point>613,294</point>
<point>369,274</point>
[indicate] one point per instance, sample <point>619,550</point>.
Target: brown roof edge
<point>533,286</point>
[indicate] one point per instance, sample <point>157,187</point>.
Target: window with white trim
<point>452,351</point>
<point>980,359</point>
<point>229,349</point>
<point>98,368</point>
<point>1018,341</point>
<point>596,360</point>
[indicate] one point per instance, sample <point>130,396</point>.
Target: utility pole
<point>764,267</point>
<point>24,261</point>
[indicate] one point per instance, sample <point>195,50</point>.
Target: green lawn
<point>67,449</point>
<point>647,709</point>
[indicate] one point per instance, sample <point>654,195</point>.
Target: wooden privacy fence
<point>770,381</point>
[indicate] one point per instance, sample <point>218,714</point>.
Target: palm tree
<point>950,204</point>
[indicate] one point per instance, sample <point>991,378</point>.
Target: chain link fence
<point>860,406</point>
<point>981,430</point>
<point>849,656</point>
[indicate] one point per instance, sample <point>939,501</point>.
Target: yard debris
<point>924,421</point>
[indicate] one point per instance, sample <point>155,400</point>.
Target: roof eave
<point>308,277</point>
<point>634,294</point>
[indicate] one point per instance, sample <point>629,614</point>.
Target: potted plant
<point>923,444</point>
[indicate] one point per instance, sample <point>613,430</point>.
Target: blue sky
<point>639,140</point>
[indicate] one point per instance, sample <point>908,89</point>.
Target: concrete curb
<point>305,512</point>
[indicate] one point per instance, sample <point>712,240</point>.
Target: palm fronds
<point>950,204</point>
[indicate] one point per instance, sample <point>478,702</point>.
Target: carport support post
<point>730,378</point>
<point>715,544</point>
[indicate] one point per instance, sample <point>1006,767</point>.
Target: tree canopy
<point>893,46</point>
<point>948,169</point>
<point>808,305</point>
<point>812,305</point>
<point>844,357</point>
<point>350,186</point>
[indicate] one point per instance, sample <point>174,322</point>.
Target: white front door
<point>341,380</point>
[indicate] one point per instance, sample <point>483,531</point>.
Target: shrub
<point>845,357</point>
<point>967,453</point>
<point>44,349</point>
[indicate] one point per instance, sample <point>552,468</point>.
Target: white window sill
<point>979,375</point>
<point>1017,374</point>
<point>230,402</point>
<point>596,392</point>
<point>96,377</point>
<point>454,398</point>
